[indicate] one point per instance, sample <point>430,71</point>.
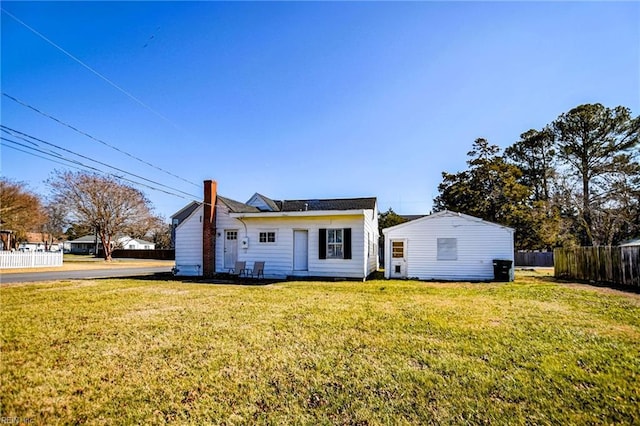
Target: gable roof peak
<point>263,203</point>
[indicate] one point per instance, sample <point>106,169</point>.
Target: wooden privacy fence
<point>160,254</point>
<point>530,258</point>
<point>33,259</point>
<point>613,265</point>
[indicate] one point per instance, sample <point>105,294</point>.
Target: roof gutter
<point>308,213</point>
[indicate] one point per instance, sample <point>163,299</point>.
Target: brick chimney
<point>209,229</point>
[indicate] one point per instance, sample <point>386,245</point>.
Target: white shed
<point>446,246</point>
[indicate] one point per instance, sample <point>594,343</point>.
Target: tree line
<point>574,182</point>
<point>79,204</point>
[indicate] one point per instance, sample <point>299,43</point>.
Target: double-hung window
<point>335,244</point>
<point>268,237</point>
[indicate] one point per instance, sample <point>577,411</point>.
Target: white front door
<point>398,259</point>
<point>230,248</point>
<point>300,250</point>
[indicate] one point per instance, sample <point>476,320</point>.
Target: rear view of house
<point>447,246</point>
<point>299,238</point>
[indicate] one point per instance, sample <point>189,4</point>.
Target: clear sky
<point>304,100</point>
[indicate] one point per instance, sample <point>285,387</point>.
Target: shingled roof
<point>326,204</point>
<point>295,205</point>
<point>238,207</point>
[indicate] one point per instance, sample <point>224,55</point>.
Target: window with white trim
<point>447,249</point>
<point>267,237</point>
<point>335,244</point>
<point>397,249</point>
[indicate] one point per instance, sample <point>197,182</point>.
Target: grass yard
<point>380,352</point>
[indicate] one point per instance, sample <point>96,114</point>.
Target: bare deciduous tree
<point>103,203</point>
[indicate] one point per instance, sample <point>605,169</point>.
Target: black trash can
<point>502,270</point>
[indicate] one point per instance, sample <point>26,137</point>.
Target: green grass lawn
<point>380,352</point>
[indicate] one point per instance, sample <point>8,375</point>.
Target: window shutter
<point>322,244</point>
<point>347,243</point>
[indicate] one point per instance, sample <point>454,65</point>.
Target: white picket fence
<point>34,259</point>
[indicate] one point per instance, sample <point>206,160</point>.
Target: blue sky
<point>305,100</point>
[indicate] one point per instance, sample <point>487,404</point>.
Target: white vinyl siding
<point>431,254</point>
<point>278,256</point>
<point>189,244</point>
<point>370,253</point>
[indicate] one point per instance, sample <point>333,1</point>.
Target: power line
<point>91,69</point>
<point>21,135</point>
<point>86,166</point>
<point>94,138</point>
<point>35,155</point>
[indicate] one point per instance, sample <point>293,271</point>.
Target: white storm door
<point>230,248</point>
<point>300,250</point>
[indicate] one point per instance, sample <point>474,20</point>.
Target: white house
<point>446,246</point>
<point>631,243</point>
<point>89,243</point>
<point>303,238</point>
<point>39,241</point>
<point>129,243</point>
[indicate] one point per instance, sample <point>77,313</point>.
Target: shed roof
<point>445,213</point>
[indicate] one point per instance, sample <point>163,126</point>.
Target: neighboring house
<point>90,243</point>
<point>299,238</point>
<point>37,241</point>
<point>446,246</point>
<point>129,243</point>
<point>83,245</point>
<point>631,243</point>
<point>179,217</point>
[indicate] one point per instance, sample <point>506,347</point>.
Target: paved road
<point>90,273</point>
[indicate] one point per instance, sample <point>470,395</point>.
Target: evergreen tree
<point>491,190</point>
<point>598,147</point>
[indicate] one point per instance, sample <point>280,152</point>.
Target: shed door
<point>230,248</point>
<point>398,259</point>
<point>300,250</point>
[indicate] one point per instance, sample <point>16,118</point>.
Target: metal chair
<point>239,269</point>
<point>257,271</point>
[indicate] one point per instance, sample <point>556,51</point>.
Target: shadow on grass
<point>220,279</point>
